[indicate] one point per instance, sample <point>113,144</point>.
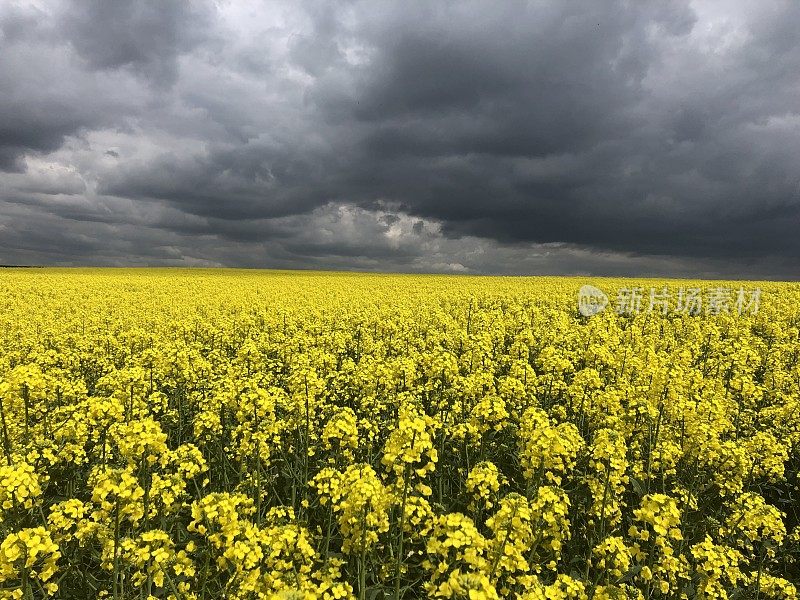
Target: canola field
<point>213,434</point>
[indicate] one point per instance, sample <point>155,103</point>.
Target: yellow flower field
<point>246,434</point>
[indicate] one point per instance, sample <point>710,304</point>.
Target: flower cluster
<point>184,435</point>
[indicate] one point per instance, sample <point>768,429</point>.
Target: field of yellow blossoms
<point>212,434</point>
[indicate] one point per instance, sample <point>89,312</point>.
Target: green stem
<point>402,523</point>
<point>116,550</point>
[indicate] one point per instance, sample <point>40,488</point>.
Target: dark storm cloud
<point>43,100</point>
<point>47,95</point>
<point>643,137</point>
<point>147,35</point>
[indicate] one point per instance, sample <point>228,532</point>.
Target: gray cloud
<point>147,36</point>
<point>604,137</point>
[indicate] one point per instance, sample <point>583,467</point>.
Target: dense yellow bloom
<point>220,517</point>
<point>140,440</point>
<point>153,557</point>
<point>19,487</point>
<point>608,476</point>
<point>545,449</point>
<point>513,526</point>
<point>716,566</point>
<point>752,522</point>
<point>550,507</point>
<point>419,517</point>
<point>361,502</point>
<point>248,435</point>
<point>774,587</point>
<point>613,557</point>
<point>660,512</point>
<point>341,433</point>
<point>563,588</point>
<point>454,543</point>
<point>70,520</point>
<point>29,554</point>
<point>410,444</point>
<point>116,493</point>
<point>469,586</point>
<point>484,482</point>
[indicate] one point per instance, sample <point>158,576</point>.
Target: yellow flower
<point>31,551</point>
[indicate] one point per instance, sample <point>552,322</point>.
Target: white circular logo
<point>591,300</point>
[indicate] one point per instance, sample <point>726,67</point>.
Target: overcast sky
<point>598,137</point>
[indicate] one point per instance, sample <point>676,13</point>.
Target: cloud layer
<point>605,137</point>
